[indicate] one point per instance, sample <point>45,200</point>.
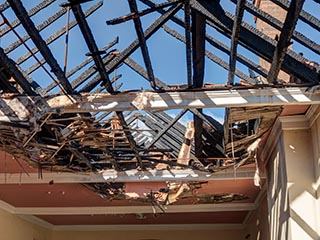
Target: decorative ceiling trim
<point>151,227</point>
<point>191,208</point>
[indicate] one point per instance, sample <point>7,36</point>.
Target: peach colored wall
<point>14,228</point>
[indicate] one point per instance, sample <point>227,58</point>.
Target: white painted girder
<point>155,101</point>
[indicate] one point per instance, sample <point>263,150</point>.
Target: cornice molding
<point>150,227</point>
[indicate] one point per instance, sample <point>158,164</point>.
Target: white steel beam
<point>155,101</point>
<point>126,176</point>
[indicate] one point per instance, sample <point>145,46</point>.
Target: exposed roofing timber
<point>31,13</point>
<point>284,39</point>
<point>151,101</point>
<point>58,33</point>
<point>214,58</point>
<point>22,15</point>
<point>143,45</point>
<point>253,40</point>
<point>234,40</point>
<point>40,27</point>
<point>277,24</point>
<point>304,16</point>
<point>93,48</point>
<point>125,176</point>
<point>10,65</point>
<point>133,46</point>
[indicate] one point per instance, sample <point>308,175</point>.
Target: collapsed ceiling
<point>56,127</point>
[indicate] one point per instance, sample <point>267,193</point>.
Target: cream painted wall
<point>14,228</point>
<point>148,235</point>
<point>293,182</point>
<point>258,224</point>
<point>304,209</point>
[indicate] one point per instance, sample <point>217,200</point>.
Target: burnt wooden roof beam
<point>143,43</point>
<point>142,13</point>
<point>304,16</point>
<point>284,39</point>
<point>254,40</point>
<point>31,13</point>
<point>142,72</point>
<point>210,55</point>
<point>58,34</point>
<point>277,24</point>
<point>40,27</point>
<point>234,40</point>
<point>166,128</point>
<point>198,60</point>
<point>132,143</point>
<point>10,65</point>
<point>29,26</point>
<point>187,20</point>
<point>93,48</point>
<point>135,44</point>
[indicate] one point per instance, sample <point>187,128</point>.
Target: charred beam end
<point>16,74</point>
<point>29,26</point>
<point>89,38</point>
<point>234,40</point>
<point>143,44</point>
<point>285,38</point>
<point>73,3</point>
<point>140,14</point>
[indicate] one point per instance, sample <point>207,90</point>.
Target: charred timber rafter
<point>29,26</point>
<point>132,143</point>
<point>166,128</point>
<point>187,20</point>
<point>242,59</point>
<point>254,40</point>
<point>32,12</point>
<point>304,16</point>
<point>135,44</point>
<point>198,60</point>
<point>93,48</point>
<point>142,72</point>
<point>277,24</point>
<point>284,39</point>
<point>10,65</point>
<point>40,27</point>
<point>210,55</point>
<point>4,6</point>
<point>140,14</point>
<point>143,43</point>
<point>59,33</point>
<point>234,40</point>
